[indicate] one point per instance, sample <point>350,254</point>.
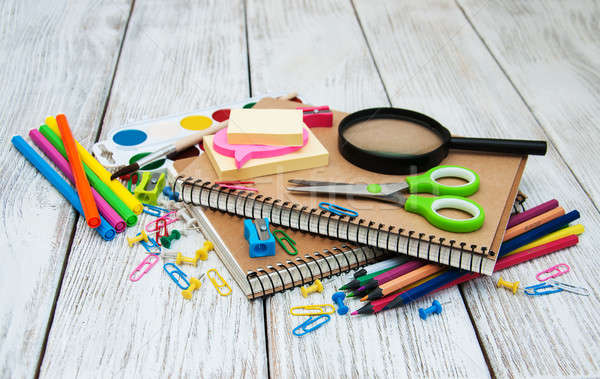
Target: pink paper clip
<point>149,262</point>
<point>152,226</point>
<point>557,268</point>
<point>317,116</point>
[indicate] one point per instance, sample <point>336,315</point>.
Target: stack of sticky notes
<point>259,142</point>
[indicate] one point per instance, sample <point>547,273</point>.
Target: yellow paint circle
<point>195,122</point>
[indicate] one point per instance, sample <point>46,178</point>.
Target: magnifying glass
<point>400,141</point>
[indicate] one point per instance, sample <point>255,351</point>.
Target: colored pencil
<point>453,277</point>
<point>90,211</point>
<point>533,223</point>
<point>538,232</point>
<point>569,230</point>
<point>387,276</point>
<point>391,262</point>
<point>105,209</point>
<point>357,282</point>
<point>134,204</point>
<point>115,202</point>
<point>518,218</point>
<point>104,229</point>
<point>402,281</point>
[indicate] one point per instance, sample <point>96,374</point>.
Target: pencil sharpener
<point>148,189</point>
<point>259,237</point>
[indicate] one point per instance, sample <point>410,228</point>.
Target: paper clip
<point>149,246</point>
<point>176,275</point>
<point>336,209</point>
<point>218,286</point>
<point>309,325</point>
<point>152,226</point>
<point>149,262</point>
<point>130,181</point>
<point>286,238</point>
<point>540,276</point>
<point>153,210</point>
<point>569,288</point>
<point>320,308</point>
<point>162,231</point>
<point>538,289</point>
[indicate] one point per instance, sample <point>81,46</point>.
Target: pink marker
<point>243,153</point>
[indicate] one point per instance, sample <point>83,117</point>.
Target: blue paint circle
<point>130,137</point>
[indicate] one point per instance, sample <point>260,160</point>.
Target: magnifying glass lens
<point>401,138</point>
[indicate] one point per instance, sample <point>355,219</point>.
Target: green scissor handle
<point>428,207</point>
<point>427,182</point>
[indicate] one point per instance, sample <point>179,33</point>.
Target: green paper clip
<point>286,238</point>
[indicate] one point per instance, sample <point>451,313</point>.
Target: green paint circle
<point>249,105</point>
<point>150,166</point>
<point>374,188</point>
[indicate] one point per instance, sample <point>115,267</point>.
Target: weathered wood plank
<point>55,56</point>
<point>431,60</point>
<point>317,48</point>
<point>178,56</point>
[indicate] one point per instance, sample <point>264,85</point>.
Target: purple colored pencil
<point>394,273</point>
<point>518,218</point>
<point>105,209</point>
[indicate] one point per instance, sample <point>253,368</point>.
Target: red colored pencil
<point>84,191</point>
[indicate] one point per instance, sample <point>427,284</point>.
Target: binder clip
<point>148,189</point>
<point>259,237</point>
<point>217,285</point>
<point>317,116</point>
<point>310,325</point>
<point>177,276</point>
<point>148,262</point>
<point>557,272</point>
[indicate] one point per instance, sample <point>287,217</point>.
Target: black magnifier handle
<point>510,146</point>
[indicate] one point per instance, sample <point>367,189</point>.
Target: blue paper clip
<point>153,210</point>
<point>149,246</point>
<point>538,289</point>
<point>336,209</point>
<point>177,272</point>
<point>306,328</point>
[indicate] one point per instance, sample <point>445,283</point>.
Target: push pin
<point>168,192</point>
<point>338,299</point>
<point>181,259</point>
<point>317,286</point>
<point>202,253</point>
<point>166,240</point>
<point>194,285</point>
<point>510,285</point>
<point>141,237</point>
<point>436,308</point>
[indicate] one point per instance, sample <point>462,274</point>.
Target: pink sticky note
<point>243,153</point>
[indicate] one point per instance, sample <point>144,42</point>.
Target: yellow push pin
<point>183,259</point>
<point>202,253</point>
<point>510,285</point>
<point>194,285</point>
<point>317,286</point>
<point>142,237</point>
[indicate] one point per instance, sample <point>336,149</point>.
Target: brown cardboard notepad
<point>379,225</point>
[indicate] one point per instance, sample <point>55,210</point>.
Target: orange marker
<point>90,211</point>
<point>533,223</point>
<point>402,281</point>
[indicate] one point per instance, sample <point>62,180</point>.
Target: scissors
<point>453,197</point>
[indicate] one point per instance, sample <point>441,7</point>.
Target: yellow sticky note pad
<point>312,155</point>
<point>280,127</point>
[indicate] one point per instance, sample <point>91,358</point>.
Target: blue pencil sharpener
<point>259,237</point>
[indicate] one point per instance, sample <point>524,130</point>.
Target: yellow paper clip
<point>321,310</point>
<point>218,286</point>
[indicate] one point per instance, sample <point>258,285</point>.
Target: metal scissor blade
<point>332,188</point>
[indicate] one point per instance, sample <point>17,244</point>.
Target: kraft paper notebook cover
<point>379,224</point>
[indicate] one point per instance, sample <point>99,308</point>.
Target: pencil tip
<point>354,313</point>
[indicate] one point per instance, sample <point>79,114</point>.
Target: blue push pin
<point>168,192</point>
<point>436,308</point>
<point>338,299</point>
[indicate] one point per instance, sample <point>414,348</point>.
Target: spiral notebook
<point>378,225</point>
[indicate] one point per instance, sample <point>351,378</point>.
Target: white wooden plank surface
<point>55,56</point>
<point>318,49</point>
<point>178,56</point>
<point>431,60</point>
<point>551,52</point>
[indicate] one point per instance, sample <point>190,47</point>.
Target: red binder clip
<point>317,116</point>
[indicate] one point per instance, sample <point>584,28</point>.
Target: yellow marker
<point>510,285</point>
<point>570,230</point>
<point>194,285</point>
<point>320,309</point>
<point>217,285</point>
<point>119,190</point>
<point>142,237</point>
<point>317,286</point>
<point>202,253</point>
